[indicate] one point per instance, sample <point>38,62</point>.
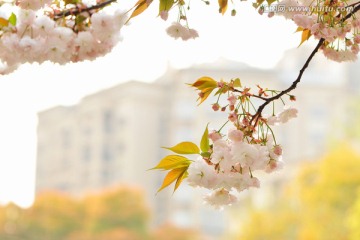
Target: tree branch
<point>257,115</point>
<point>77,10</point>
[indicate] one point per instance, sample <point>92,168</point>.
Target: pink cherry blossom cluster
<point>232,166</point>
<point>324,20</point>
<point>249,146</point>
<point>37,36</point>
<point>176,30</point>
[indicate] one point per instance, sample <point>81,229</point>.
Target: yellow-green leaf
<point>4,22</point>
<point>270,2</point>
<point>306,34</point>
<point>222,90</point>
<point>204,144</point>
<point>165,5</point>
<point>237,82</point>
<point>171,162</point>
<point>184,175</point>
<point>223,4</point>
<point>204,82</point>
<point>172,176</point>
<point>12,19</point>
<point>185,148</point>
<point>140,7</point>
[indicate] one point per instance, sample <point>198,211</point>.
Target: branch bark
<point>77,10</point>
<point>258,113</point>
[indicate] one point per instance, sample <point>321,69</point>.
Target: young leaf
<point>223,4</point>
<point>172,162</point>
<point>204,144</point>
<point>185,148</point>
<point>165,5</point>
<point>184,175</point>
<point>204,82</point>
<point>205,94</point>
<point>12,19</point>
<point>140,7</point>
<point>3,22</point>
<point>237,82</point>
<point>172,176</point>
<point>299,29</point>
<point>306,34</point>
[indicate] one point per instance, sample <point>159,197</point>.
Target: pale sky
<point>143,55</point>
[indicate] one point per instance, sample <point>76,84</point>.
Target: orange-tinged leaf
<point>4,22</point>
<point>306,34</point>
<point>172,176</point>
<point>171,162</point>
<point>184,175</point>
<point>140,7</point>
<point>223,4</point>
<point>204,82</point>
<point>299,29</point>
<point>205,94</point>
<point>185,148</point>
<point>204,144</point>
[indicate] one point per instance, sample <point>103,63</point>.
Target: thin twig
<point>77,10</point>
<point>257,115</point>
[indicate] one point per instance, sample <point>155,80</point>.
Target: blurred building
<point>115,135</point>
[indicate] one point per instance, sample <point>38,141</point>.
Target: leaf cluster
<point>178,165</point>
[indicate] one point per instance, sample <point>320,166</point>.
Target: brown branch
<point>77,10</point>
<point>257,115</point>
<point>354,4</point>
<point>253,95</point>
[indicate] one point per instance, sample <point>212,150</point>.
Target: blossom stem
<point>255,118</point>
<point>223,126</point>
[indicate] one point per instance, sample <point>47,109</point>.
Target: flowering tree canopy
<point>64,31</point>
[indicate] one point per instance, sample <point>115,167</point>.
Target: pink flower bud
<point>277,150</point>
<point>357,39</point>
<point>164,15</point>
<point>232,117</point>
<point>215,107</point>
<point>271,14</point>
<point>254,182</point>
<point>232,100</point>
<point>261,10</point>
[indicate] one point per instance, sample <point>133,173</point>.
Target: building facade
<point>112,137</point>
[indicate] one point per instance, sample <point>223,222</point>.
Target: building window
<point>65,138</point>
<point>106,153</point>
<point>108,121</point>
<point>86,154</point>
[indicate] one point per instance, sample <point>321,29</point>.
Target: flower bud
<point>232,117</point>
<point>277,150</point>
<point>215,107</point>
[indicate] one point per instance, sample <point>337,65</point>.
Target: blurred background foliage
<point>116,214</point>
<point>321,203</point>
